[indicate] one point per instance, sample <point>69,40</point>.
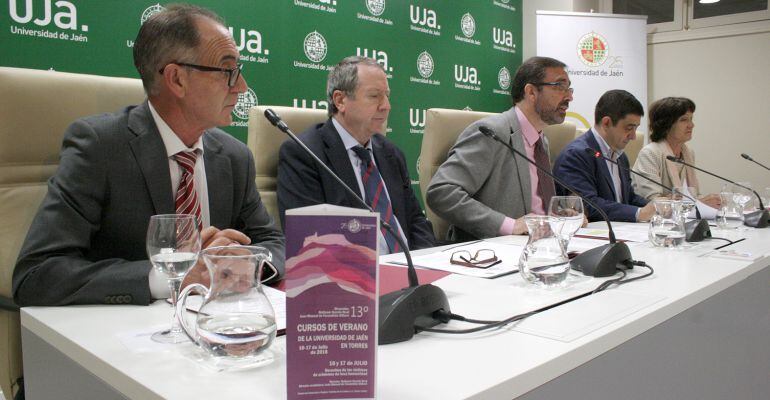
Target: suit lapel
<point>150,154</point>
<point>339,161</point>
<point>219,181</point>
<point>601,164</point>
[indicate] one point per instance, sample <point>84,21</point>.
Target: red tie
<point>186,196</point>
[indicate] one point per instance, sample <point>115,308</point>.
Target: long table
<point>699,328</point>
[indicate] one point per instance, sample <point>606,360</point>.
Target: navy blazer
<point>591,178</point>
<point>301,182</point>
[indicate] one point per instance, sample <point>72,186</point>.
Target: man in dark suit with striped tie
<point>164,156</point>
<point>351,143</point>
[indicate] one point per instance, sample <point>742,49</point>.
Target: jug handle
<point>181,307</point>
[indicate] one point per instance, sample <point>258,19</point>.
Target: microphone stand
<point>755,219</point>
<point>696,230</point>
<point>401,310</point>
<point>746,156</point>
<point>601,261</point>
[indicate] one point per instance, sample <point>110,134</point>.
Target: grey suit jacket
<point>87,242</point>
<point>482,182</point>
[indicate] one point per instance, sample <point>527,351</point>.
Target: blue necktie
<point>376,197</point>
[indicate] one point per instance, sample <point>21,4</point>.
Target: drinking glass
<point>686,204</point>
<point>570,210</point>
<point>667,225</point>
<point>730,214</point>
<point>173,243</point>
<point>766,198</point>
<point>743,195</point>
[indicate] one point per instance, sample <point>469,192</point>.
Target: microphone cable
<point>445,316</point>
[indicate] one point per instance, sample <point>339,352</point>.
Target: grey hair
<point>344,77</point>
<point>168,36</point>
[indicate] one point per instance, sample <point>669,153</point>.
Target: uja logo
<point>64,17</point>
<point>378,55</point>
<point>502,37</point>
<point>251,41</point>
<point>314,104</point>
<point>468,25</point>
<point>246,100</point>
<point>423,16</point>
<point>425,64</point>
<point>417,117</point>
<point>150,11</point>
<point>592,49</point>
<point>315,47</point>
<point>375,7</point>
<point>466,74</point>
<point>504,78</point>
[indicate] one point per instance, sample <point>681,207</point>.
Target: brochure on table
<point>331,302</point>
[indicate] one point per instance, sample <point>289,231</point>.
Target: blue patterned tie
<point>376,196</point>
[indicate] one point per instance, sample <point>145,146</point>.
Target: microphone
<point>755,219</point>
<point>695,230</point>
<point>401,310</point>
<point>601,261</point>
<point>746,156</point>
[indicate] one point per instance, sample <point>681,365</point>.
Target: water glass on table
<point>569,210</point>
<point>173,244</point>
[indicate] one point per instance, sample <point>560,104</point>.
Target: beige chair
<point>442,127</point>
<point>558,137</point>
<point>633,148</point>
<point>35,108</point>
<point>264,140</point>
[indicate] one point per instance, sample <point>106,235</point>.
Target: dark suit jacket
<point>87,241</point>
<point>591,178</point>
<point>302,183</point>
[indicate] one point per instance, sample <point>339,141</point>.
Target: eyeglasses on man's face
<point>561,86</point>
<point>232,73</point>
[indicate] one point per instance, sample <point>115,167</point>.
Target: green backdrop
<point>438,53</point>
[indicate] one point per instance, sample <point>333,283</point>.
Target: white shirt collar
<point>170,139</point>
<point>605,148</point>
<point>347,139</point>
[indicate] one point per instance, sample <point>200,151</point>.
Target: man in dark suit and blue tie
<point>351,143</point>
<point>164,156</point>
<point>616,117</point>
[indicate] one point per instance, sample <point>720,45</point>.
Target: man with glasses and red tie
<point>482,189</point>
<point>351,143</point>
<point>164,156</point>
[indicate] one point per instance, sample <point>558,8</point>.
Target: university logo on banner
<point>504,4</point>
<point>425,66</point>
<point>250,44</point>
<point>424,20</point>
<point>315,47</point>
<point>375,8</point>
<point>377,55</point>
<point>417,120</point>
<point>314,104</point>
<point>63,15</point>
<point>504,81</point>
<point>593,49</point>
<point>149,12</point>
<point>467,77</point>
<point>246,101</point>
<point>502,39</point>
<point>468,29</point>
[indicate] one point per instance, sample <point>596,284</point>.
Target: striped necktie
<point>186,197</point>
<point>376,197</point>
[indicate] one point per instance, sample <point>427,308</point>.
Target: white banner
<point>602,52</point>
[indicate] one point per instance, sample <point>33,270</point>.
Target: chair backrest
<point>558,137</point>
<point>633,148</point>
<point>442,127</point>
<point>36,107</point>
<point>265,140</point>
